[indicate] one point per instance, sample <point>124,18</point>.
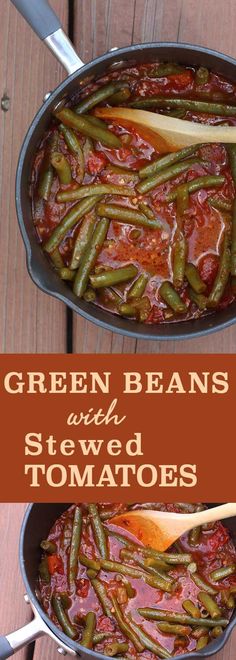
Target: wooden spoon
<point>167,133</point>
<point>159,529</point>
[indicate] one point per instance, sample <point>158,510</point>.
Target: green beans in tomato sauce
<point>167,211</point>
<point>110,593</point>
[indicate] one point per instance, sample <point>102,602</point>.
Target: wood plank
<point>30,320</point>
<point>14,613</point>
<point>108,24</point>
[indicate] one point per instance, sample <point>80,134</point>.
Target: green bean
<point>198,580</point>
<point>125,627</point>
<point>100,590</point>
<point>158,564</point>
<point>148,641</point>
<point>166,161</point>
<point>222,276</point>
<point>127,215</point>
<point>89,295</point>
<point>81,124</point>
<point>177,617</point>
<point>217,631</point>
<point>90,256</point>
<point>198,299</point>
<point>98,530</point>
<point>138,287</point>
<point>95,121</point>
<point>202,76</point>
<point>67,274</point>
<point>100,636</point>
<point>227,598</point>
<point>166,175</point>
<point>165,70</point>
<point>221,109</point>
<point>128,309</point>
<point>202,642</point>
<point>49,547</point>
<point>70,219</point>
<point>45,182</point>
<point>153,580</point>
<point>116,169</point>
<point>174,629</point>
<point>164,557</point>
<point>62,167</point>
<point>233,243</point>
<point>182,203</point>
<point>66,534</point>
<point>83,239</point>
<point>101,94</point>
<point>191,609</point>
<point>120,97</point>
<point>75,545</point>
<point>203,182</point>
<point>231,150</point>
<point>88,632</point>
<point>221,573</point>
<point>112,277</point>
<point>220,204</point>
<point>146,210</point>
<point>91,573</point>
<point>43,571</point>
<point>115,648</point>
<point>130,555</point>
<point>93,189</point>
<point>94,564</point>
<point>56,258</point>
<point>172,298</point>
<point>209,604</point>
<point>46,170</point>
<point>62,617</point>
<point>180,251</point>
<point>194,278</point>
<point>74,147</point>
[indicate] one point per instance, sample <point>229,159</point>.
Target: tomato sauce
<point>150,250</point>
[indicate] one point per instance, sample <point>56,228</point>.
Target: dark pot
<point>37,523</point>
<point>45,23</point>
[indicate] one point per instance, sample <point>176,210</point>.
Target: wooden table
<point>30,321</point>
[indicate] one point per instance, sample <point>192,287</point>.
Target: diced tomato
<point>208,267</point>
<point>124,153</point>
<point>96,162</point>
<point>182,79</point>
<point>219,538</point>
<point>55,565</point>
<point>82,587</point>
<point>156,315</point>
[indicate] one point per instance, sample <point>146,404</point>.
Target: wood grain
<point>14,612</point>
<point>30,321</point>
<point>101,24</point>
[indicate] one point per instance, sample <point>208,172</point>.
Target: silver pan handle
<point>47,26</point>
<point>15,641</point>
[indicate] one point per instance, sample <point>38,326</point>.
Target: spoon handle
<point>217,513</point>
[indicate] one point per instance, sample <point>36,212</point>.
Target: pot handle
<point>15,641</point>
<point>47,26</point>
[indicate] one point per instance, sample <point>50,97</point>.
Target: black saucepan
<point>37,523</point>
<point>47,26</point>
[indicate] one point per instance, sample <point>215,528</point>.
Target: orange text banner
<point>117,428</point>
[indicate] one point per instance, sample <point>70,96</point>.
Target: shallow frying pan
<point>37,523</point>
<point>47,26</point>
